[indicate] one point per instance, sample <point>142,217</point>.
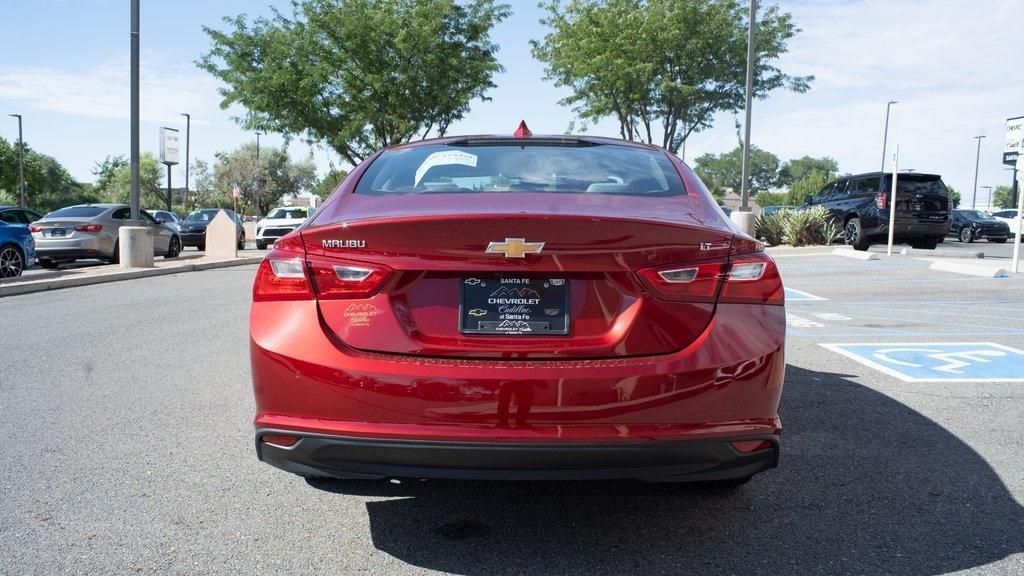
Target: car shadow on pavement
<point>866,485</point>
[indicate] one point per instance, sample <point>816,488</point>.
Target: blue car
<point>17,248</point>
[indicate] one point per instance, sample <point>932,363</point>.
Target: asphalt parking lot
<point>127,449</point>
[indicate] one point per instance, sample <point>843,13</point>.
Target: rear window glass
<point>77,212</point>
<point>527,167</point>
<point>281,213</point>
<point>927,185</point>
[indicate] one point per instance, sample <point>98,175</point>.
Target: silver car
<point>168,218</point>
<point>90,231</point>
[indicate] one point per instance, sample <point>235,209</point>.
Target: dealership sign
<point>168,146</point>
<point>1014,134</point>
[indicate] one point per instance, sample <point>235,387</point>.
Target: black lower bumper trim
<point>655,461</point>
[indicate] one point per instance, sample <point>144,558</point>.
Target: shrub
<point>797,227</point>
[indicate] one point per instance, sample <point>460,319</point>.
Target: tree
<point>114,181</point>
<point>326,186</point>
<point>954,196</point>
<point>661,66</point>
<point>1002,197</point>
<point>358,75</point>
<point>793,170</point>
<point>48,185</point>
<point>278,176</point>
<point>725,170</point>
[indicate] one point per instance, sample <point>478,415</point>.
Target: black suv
<point>971,225</point>
<point>860,204</point>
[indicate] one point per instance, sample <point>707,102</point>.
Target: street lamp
<point>744,184</point>
<point>977,160</point>
<point>188,134</point>
<point>885,134</point>
<point>134,151</point>
<point>21,164</point>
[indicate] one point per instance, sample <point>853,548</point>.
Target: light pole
<point>188,134</point>
<point>745,185</point>
<point>885,134</point>
<point>259,176</point>
<point>21,164</point>
<point>134,154</point>
<point>977,160</point>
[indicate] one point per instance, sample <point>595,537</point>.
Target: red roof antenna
<point>523,131</point>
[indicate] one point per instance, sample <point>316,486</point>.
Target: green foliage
<point>794,170</point>
<point>278,175</point>
<point>8,198</point>
<point>797,227</point>
<point>954,196</point>
<point>114,181</point>
<point>721,171</point>
<point>809,185</point>
<point>358,75</point>
<point>661,66</point>
<point>1002,197</point>
<point>326,186</point>
<point>48,185</point>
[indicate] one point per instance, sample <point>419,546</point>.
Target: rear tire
<point>924,243</point>
<point>998,240</point>
<point>966,235</point>
<point>12,261</point>
<point>116,258</point>
<point>261,245</point>
<point>174,248</point>
<point>201,247</point>
<point>241,242</point>
<point>854,235</point>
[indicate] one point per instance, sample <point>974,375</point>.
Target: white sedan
<point>1011,218</point>
<point>279,222</point>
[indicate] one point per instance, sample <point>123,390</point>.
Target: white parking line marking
<point>801,322</point>
<point>794,295</point>
<point>831,316</point>
<point>938,362</point>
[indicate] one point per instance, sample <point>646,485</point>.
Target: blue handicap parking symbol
<point>939,362</point>
<point>794,295</point>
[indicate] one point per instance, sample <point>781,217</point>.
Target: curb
<point>940,253</point>
<point>30,287</point>
<point>985,271</point>
<point>855,254</point>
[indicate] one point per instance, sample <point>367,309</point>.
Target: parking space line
<point>938,361</point>
<point>794,295</point>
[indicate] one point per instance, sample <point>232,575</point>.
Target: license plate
<point>514,305</point>
<point>57,232</point>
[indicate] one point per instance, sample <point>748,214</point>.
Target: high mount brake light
<point>744,279</point>
<point>288,276</point>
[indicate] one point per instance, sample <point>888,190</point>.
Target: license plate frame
<point>514,305</point>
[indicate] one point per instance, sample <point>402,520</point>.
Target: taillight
<point>93,228</point>
<point>35,228</point>
<point>336,280</point>
<point>697,282</point>
<point>285,275</point>
<point>882,201</point>
<point>744,279</point>
<point>752,279</point>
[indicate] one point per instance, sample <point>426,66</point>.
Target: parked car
<point>17,247</point>
<point>860,204</point>
<point>90,231</point>
<point>193,227</point>
<point>971,225</point>
<point>280,221</point>
<point>169,218</point>
<point>766,210</point>
<point>519,308</point>
<point>1011,218</point>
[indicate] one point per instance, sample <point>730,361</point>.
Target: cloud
<point>167,89</point>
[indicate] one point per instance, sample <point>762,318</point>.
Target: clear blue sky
<point>64,66</point>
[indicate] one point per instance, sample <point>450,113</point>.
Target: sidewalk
<point>57,279</point>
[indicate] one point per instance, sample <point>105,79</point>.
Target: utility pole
<point>745,184</point>
<point>21,164</point>
<point>977,160</point>
<point>885,134</point>
<point>188,135</point>
<point>135,114</point>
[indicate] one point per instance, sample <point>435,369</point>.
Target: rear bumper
<point>653,461</point>
<point>911,229</point>
<point>193,238</point>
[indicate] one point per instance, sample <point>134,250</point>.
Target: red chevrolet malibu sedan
<point>519,308</point>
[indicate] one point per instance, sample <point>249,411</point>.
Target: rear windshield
<point>917,184</point>
<point>77,212</point>
<point>515,166</point>
<point>201,216</point>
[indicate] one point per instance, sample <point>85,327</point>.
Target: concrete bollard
<point>135,245</point>
<point>221,239</point>
<point>745,220</point>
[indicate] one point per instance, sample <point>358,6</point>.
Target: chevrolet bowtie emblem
<point>514,248</point>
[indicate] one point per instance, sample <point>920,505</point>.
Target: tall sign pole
<point>1020,209</point>
<point>977,161</point>
<point>745,184</point>
<point>21,164</point>
<point>168,155</point>
<point>885,133</point>
<point>188,138</point>
<point>135,113</point>
<point>892,197</point>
